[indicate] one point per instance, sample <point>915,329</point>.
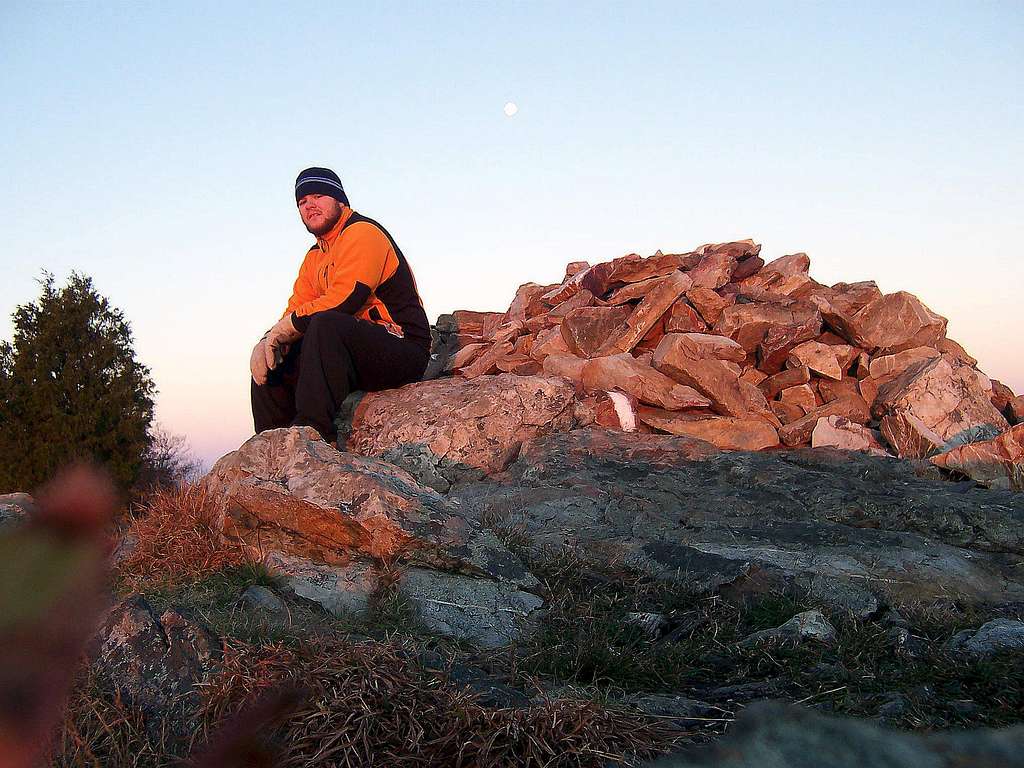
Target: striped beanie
<point>320,181</point>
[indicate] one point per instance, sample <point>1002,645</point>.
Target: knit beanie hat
<point>320,181</point>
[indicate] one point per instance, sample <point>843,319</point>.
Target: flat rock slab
<point>471,427</point>
<point>486,613</point>
<point>711,518</point>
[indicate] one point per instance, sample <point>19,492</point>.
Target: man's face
<point>319,213</point>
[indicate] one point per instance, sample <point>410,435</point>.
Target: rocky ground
<point>526,567</point>
<point>644,590</point>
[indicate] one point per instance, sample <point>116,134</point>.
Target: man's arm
<point>304,289</point>
<point>365,261</point>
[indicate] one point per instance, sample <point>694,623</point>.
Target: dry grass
<point>369,704</point>
<point>98,731</point>
<point>175,539</point>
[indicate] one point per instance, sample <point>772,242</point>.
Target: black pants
<point>338,354</point>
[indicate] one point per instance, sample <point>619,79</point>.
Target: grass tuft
<point>174,538</point>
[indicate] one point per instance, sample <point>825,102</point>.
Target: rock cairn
<point>718,345</point>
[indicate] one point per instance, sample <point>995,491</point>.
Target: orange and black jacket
<point>357,268</point>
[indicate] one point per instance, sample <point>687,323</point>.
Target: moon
<point>510,108</point>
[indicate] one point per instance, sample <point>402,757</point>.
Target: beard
<point>331,218</point>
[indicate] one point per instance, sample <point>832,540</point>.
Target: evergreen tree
<point>71,388</point>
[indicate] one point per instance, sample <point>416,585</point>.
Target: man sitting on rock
<point>354,320</point>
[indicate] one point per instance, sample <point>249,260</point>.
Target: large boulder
<point>944,394</point>
<point>156,661</point>
<point>468,427</point>
<point>338,525</point>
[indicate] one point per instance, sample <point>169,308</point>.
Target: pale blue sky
<point>154,147</point>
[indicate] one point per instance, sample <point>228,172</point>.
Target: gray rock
<point>895,707</point>
<point>993,637</point>
<point>679,707</point>
<point>651,624</point>
<point>260,598</point>
<point>976,434</point>
<point>156,663</point>
<point>742,692</point>
<point>824,671</point>
<point>773,735</point>
<point>15,508</point>
<point>420,462</point>
<point>839,597</point>
<point>809,625</point>
<point>342,590</point>
<point>904,643</point>
<point>487,613</point>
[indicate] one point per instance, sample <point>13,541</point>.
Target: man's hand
<point>258,362</point>
<point>277,340</point>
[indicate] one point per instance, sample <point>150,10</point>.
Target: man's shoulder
<point>363,226</point>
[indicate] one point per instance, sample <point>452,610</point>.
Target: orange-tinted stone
<point>799,431</point>
<point>801,396</point>
<point>786,413</point>
<point>753,375</point>
<point>1001,395</point>
<point>818,357</point>
<point>998,463</point>
<point>739,249</point>
<point>626,373</point>
<point>586,329</point>
<point>646,314</point>
<point>887,367</point>
<point>487,362</point>
<point>465,355</point>
<point>713,271</point>
<point>791,377</point>
<point>729,434</point>
<point>909,437</point>
<point>634,268</point>
<point>709,304</point>
<point>833,390</point>
<point>683,318</point>
<point>780,340</point>
<point>843,434</point>
<point>549,342</point>
<point>748,323</point>
<point>709,377</point>
<point>574,268</point>
<point>705,345</point>
<point>747,267</point>
<point>480,325</point>
<point>1016,410</point>
<point>951,348</point>
<point>632,291</point>
<point>567,366</point>
<point>945,394</point>
<point>896,322</point>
